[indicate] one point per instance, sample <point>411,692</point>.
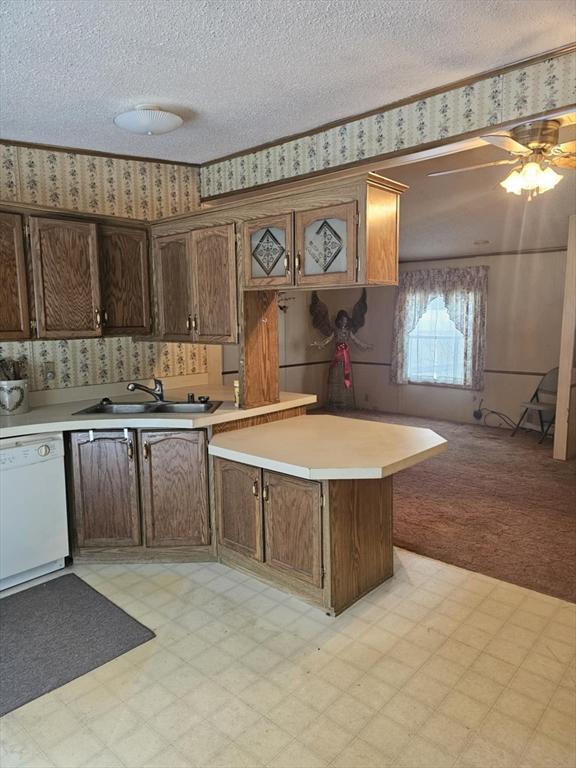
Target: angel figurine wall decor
<point>342,332</point>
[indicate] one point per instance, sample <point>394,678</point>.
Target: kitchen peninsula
<point>307,502</point>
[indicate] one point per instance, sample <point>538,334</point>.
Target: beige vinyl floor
<point>438,668</point>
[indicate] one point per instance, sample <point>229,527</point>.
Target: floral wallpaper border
<point>135,189</point>
<point>516,94</point>
<point>84,362</point>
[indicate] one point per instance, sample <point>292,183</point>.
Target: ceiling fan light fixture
<point>548,179</point>
<point>533,177</point>
<point>513,183</point>
<point>148,120</point>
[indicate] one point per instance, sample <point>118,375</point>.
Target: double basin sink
<point>157,406</point>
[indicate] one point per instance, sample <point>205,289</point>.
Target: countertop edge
<point>70,423</point>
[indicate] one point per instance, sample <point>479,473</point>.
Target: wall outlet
<point>48,370</point>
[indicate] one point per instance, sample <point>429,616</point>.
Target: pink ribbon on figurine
<point>342,355</point>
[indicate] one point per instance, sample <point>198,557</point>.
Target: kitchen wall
<point>525,295</point>
<point>109,186</point>
<point>112,186</point>
<point>88,362</point>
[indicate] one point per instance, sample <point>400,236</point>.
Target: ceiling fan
<point>535,151</point>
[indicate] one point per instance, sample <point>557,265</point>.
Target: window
<point>439,327</point>
<point>435,349</point>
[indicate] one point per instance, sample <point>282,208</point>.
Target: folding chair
<point>547,387</point>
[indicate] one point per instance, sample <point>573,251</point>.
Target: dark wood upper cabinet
<point>106,509</point>
<point>124,280</point>
<point>267,250</point>
<point>66,278</point>
<point>174,488</point>
<point>14,314</point>
<point>293,526</point>
<point>239,504</point>
<point>173,287</point>
<point>214,284</point>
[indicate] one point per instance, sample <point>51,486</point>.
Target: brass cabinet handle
<point>297,263</point>
<point>195,324</point>
<point>98,319</point>
<point>104,317</point>
<point>255,488</point>
<point>287,264</point>
<point>146,450</point>
<point>130,450</point>
<point>189,323</point>
<point>265,493</point>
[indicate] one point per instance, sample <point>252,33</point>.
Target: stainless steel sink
<point>106,406</point>
<point>208,407</point>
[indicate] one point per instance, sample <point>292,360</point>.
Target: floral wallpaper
<point>516,94</point>
<point>110,186</point>
<point>82,362</point>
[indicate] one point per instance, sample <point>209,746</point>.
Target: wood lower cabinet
<point>139,495</point>
<point>293,526</point>
<point>124,281</point>
<point>272,518</point>
<point>66,278</point>
<point>106,507</point>
<point>329,542</point>
<point>174,485</point>
<point>14,315</point>
<point>238,489</point>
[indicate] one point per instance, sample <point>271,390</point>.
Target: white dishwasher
<point>33,522</point>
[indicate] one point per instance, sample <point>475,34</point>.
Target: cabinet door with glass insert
<point>326,245</point>
<point>267,251</point>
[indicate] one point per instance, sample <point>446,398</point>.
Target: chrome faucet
<point>157,393</point>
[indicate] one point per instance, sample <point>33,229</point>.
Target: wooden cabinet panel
<point>174,486</point>
<point>214,284</point>
<point>382,224</point>
<point>66,279</point>
<point>259,373</point>
<point>293,526</point>
<point>14,315</point>
<point>326,245</point>
<point>105,480</point>
<point>173,287</point>
<point>267,248</point>
<point>238,501</point>
<point>124,280</point>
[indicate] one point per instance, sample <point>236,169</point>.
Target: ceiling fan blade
<point>507,143</point>
<point>473,167</point>
<point>569,147</point>
<point>566,161</point>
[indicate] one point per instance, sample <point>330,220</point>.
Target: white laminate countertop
<point>60,417</point>
<point>329,447</point>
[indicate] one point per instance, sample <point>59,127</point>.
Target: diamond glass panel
<point>325,247</point>
<point>268,247</point>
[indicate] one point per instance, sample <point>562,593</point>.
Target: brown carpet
<point>497,505</point>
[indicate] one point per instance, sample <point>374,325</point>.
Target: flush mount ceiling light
<point>148,120</point>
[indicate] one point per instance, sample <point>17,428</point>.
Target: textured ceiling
<point>444,215</point>
<point>243,72</point>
